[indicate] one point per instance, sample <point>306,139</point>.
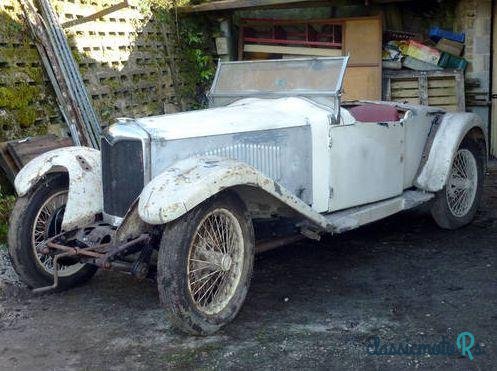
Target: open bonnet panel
<point>318,79</point>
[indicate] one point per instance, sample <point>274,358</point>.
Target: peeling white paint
<point>250,114</point>
<point>192,181</point>
<point>451,132</point>
<point>355,217</point>
<point>85,198</point>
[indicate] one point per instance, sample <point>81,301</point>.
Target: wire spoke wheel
<point>462,183</point>
<point>48,223</point>
<point>215,261</point>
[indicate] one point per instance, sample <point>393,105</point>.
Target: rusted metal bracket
<point>100,255</point>
<point>55,284</point>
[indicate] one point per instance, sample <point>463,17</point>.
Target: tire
<point>33,269</point>
<point>446,209</point>
<point>183,266</point>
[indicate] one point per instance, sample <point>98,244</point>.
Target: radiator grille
<point>265,158</point>
<point>122,174</point>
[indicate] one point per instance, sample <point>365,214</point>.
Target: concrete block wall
<point>122,58</point>
<point>27,103</point>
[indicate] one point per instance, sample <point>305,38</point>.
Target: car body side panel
<point>85,181</point>
<point>189,182</point>
<point>283,155</point>
<point>417,124</point>
<point>450,132</point>
<point>366,162</point>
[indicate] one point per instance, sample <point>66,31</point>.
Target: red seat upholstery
<point>375,113</point>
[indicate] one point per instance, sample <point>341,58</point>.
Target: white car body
<point>290,151</point>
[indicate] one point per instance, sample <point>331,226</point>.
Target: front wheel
<point>205,265</point>
<point>456,204</point>
<point>36,217</point>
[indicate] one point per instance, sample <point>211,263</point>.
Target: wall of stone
<point>122,58</point>
<point>475,20</point>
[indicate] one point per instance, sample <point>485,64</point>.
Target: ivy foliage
<point>197,67</point>
<point>194,49</point>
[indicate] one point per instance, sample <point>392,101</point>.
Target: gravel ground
<point>311,305</point>
<point>7,273</point>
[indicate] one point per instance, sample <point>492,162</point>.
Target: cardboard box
<point>449,46</point>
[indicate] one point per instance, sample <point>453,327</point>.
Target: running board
<point>348,219</point>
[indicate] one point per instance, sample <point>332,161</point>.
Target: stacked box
<point>437,33</point>
<point>417,65</point>
<point>451,61</point>
<point>422,52</point>
<point>449,46</point>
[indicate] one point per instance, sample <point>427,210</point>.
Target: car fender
<point>440,151</point>
<point>83,165</point>
<point>189,182</point>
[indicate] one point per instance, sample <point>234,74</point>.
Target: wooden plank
<point>23,151</point>
<point>442,83</point>
<point>97,15</point>
<point>243,4</point>
<point>461,98</point>
<point>7,163</point>
<point>362,40</point>
<point>407,100</point>
<point>441,92</point>
<point>405,93</point>
<point>436,101</point>
<point>404,84</point>
<point>225,5</point>
<point>388,89</point>
<point>400,74</point>
<point>423,90</point>
<point>361,83</point>
<point>275,49</point>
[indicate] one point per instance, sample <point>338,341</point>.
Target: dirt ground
<point>311,305</point>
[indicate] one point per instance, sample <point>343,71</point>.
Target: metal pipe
<point>75,250</point>
<point>71,74</point>
<point>67,59</point>
<point>267,245</point>
<point>55,273</point>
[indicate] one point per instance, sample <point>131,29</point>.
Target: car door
<point>366,161</point>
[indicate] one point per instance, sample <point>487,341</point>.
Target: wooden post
<point>493,94</point>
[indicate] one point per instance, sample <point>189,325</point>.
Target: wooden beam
<point>292,50</point>
<point>97,15</point>
<point>246,4</point>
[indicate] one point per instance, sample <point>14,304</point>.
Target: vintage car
<point>179,196</point>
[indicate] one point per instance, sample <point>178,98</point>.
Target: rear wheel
<point>456,204</point>
<point>205,265</point>
<point>35,218</point>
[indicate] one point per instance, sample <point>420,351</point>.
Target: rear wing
<point>318,79</point>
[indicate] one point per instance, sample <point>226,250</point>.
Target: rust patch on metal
<point>83,163</point>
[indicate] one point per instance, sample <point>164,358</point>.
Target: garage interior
<point>361,29</point>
